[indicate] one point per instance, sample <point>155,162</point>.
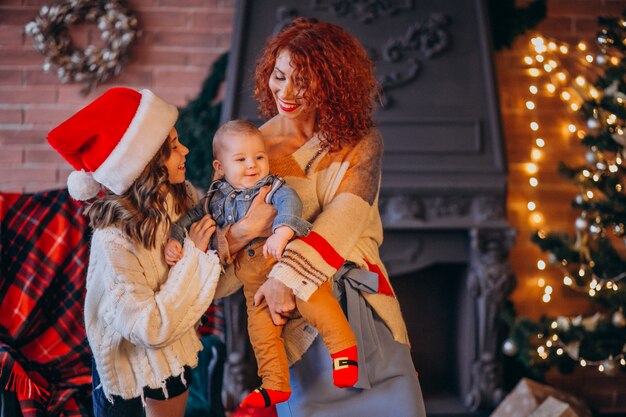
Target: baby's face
<point>242,160</point>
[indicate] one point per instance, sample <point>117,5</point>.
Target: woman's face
<point>175,164</point>
<point>287,95</point>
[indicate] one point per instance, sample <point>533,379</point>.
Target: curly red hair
<point>334,71</point>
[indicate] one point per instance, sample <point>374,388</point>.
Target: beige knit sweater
<point>339,193</point>
<point>140,316</point>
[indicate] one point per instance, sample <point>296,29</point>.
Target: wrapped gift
<point>552,407</point>
<point>528,396</point>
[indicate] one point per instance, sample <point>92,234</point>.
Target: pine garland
<point>198,122</point>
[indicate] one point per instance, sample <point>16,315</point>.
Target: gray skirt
<point>386,374</point>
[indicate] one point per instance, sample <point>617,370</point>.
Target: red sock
<point>345,367</point>
<point>261,397</point>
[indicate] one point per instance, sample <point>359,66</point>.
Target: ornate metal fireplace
<point>444,180</point>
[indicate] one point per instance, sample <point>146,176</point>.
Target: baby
<point>242,166</point>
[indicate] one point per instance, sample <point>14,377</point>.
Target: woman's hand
<point>280,300</point>
<point>256,223</point>
<point>201,231</point>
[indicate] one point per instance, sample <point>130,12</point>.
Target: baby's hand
<point>173,252</point>
<point>275,244</point>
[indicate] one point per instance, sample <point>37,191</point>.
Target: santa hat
<point>111,140</point>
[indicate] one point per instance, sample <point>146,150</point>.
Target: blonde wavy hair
<point>141,210</point>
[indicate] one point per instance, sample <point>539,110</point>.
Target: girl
<point>140,316</point>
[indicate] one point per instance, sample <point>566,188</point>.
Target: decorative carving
<point>284,15</point>
<point>427,37</point>
<point>398,208</point>
<point>448,206</point>
<point>365,11</point>
<point>404,209</point>
<point>490,281</point>
<point>488,207</point>
<point>400,259</point>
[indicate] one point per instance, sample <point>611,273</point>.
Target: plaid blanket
<point>44,355</point>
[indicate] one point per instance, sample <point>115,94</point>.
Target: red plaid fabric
<point>44,355</point>
<point>213,320</point>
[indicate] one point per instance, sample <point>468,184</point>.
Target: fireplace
<point>451,275</point>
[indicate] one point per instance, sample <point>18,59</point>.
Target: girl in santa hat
<point>140,316</point>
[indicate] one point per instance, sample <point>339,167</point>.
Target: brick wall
<point>180,41</point>
<point>569,21</point>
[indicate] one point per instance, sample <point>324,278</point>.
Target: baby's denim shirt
<point>227,205</point>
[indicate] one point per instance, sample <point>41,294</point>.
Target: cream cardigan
<point>141,316</point>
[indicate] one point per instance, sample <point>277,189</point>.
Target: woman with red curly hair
<point>316,84</point>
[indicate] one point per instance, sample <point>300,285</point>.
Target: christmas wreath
<point>93,65</point>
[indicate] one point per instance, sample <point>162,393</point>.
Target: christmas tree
<point>592,260</point>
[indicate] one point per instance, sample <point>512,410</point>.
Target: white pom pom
<point>82,186</point>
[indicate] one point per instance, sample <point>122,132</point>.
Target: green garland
<point>198,122</point>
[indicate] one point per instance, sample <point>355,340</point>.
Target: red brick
<point>19,57</point>
<point>556,27</point>
<point>558,8</point>
<point>12,155</point>
<point>22,137</point>
<point>63,172</point>
<point>16,15</point>
<point>10,116</point>
<point>39,77</point>
<point>38,174</point>
<point>42,154</point>
<point>134,77</point>
<point>71,94</point>
<point>135,4</point>
<point>154,56</point>
<point>223,40</point>
<point>11,35</point>
<point>10,77</point>
<point>167,19</point>
<point>180,78</point>
<point>213,21</point>
<point>177,96</point>
<point>202,59</point>
<point>37,3</point>
<point>12,187</point>
<point>47,115</point>
<point>27,95</point>
<point>586,27</point>
<point>184,39</point>
<point>190,3</point>
<point>41,187</point>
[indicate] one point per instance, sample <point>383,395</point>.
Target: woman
<point>140,316</point>
<point>316,83</point>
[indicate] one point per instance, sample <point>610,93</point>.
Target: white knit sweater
<point>140,316</point>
